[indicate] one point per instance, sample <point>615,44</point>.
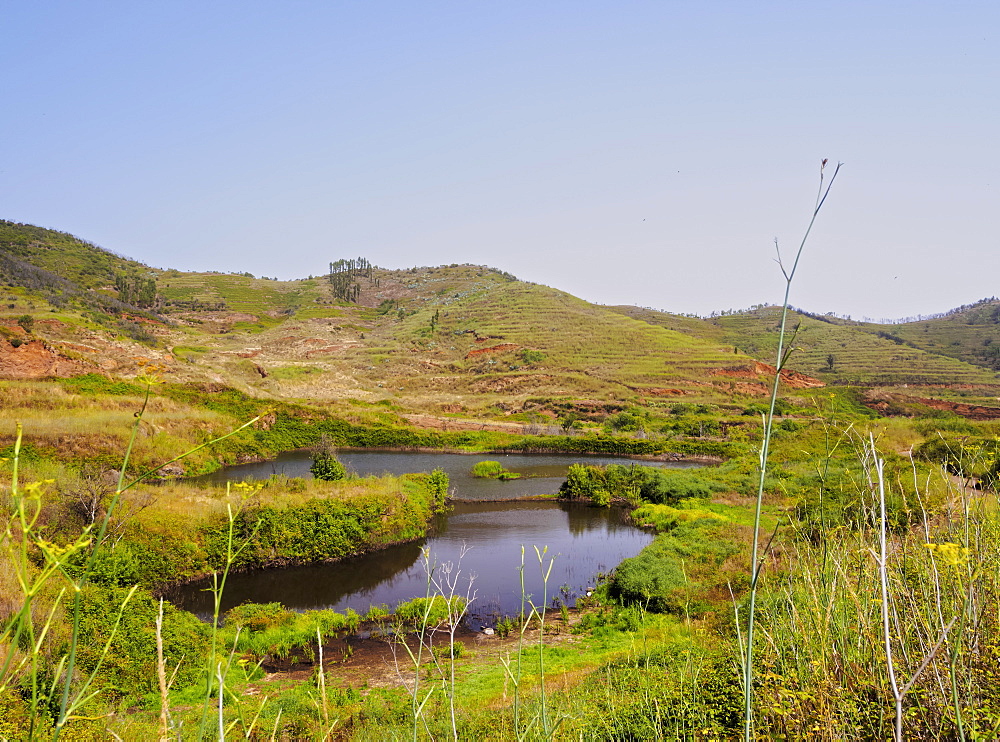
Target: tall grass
<point>874,633</point>
<point>47,570</point>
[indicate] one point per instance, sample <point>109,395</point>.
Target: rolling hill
<point>458,340</point>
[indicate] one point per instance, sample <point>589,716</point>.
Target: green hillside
<point>860,354</point>
<point>970,334</point>
<point>81,263</point>
<point>450,340</point>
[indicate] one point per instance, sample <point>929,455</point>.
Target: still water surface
<point>542,472</point>
<point>481,538</point>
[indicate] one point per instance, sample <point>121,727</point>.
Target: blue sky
<point>644,153</point>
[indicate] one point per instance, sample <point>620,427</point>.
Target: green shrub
<point>665,486</point>
<point>967,456</point>
<point>628,420</point>
<point>529,356</point>
<point>128,669</point>
<point>377,613</point>
<point>446,651</point>
<point>487,469</point>
<point>492,470</point>
<point>437,483</point>
<point>432,611</point>
<point>634,483</point>
<point>327,467</point>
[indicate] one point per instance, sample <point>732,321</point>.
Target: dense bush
<point>630,420</point>
<point>634,483</point>
<point>967,456</point>
<point>270,630</point>
<point>128,668</point>
<point>673,692</point>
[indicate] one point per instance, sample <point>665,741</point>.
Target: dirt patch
<point>888,403</point>
<point>501,348</point>
<point>34,359</point>
<point>661,392</point>
<point>755,370</point>
<point>450,423</point>
<point>750,389</point>
<point>375,661</point>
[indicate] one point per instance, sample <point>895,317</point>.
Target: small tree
<point>27,322</point>
<point>325,464</point>
<point>829,362</point>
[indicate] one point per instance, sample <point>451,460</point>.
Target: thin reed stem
<point>781,357</point>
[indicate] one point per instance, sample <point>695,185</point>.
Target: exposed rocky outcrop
<point>755,370</point>
<point>34,359</point>
<point>889,403</point>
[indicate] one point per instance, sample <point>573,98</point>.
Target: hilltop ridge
<point>450,340</point>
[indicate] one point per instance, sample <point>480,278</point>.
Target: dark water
<point>482,539</point>
<point>543,473</point>
<point>478,540</point>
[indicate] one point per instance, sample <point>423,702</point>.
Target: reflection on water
<point>483,540</point>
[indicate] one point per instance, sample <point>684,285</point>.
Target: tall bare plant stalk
<point>756,563</point>
<point>161,677</point>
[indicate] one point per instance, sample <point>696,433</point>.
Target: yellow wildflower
<point>950,553</point>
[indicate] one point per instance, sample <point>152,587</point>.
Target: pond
<point>480,539</point>
<point>542,472</point>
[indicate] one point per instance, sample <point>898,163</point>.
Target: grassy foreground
<point>879,600</point>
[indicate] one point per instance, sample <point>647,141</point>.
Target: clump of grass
<point>270,630</point>
<point>430,611</point>
<point>492,470</point>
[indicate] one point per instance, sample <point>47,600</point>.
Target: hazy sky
<point>627,152</point>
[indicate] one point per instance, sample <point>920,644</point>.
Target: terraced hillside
<point>860,354</point>
<point>445,339</point>
<point>523,336</point>
<point>970,334</point>
<point>458,340</point>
